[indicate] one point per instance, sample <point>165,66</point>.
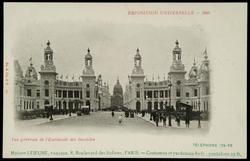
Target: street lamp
<point>199,105</point>
<point>169,117</point>
<point>51,109</point>
<point>99,96</point>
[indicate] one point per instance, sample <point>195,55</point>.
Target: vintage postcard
<point>125,80</point>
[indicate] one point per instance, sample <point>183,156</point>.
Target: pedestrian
<point>156,119</point>
<point>160,117</point>
<point>112,113</point>
<point>178,120</point>
<point>120,119</point>
<point>164,120</point>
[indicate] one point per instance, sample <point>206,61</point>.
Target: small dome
<point>88,56</point>
<point>118,89</point>
<point>137,55</point>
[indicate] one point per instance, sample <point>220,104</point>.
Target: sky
<point>112,42</point>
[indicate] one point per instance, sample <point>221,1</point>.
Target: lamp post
<point>169,117</point>
<point>51,109</point>
<point>199,105</point>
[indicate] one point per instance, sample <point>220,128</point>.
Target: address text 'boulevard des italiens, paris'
<point>46,99</point>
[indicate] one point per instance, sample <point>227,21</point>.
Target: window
<point>32,105</point>
<point>166,93</point>
<point>187,94</point>
<point>138,85</point>
<point>46,82</point>
<point>46,92</point>
<point>138,94</point>
<point>149,94</point>
<point>87,94</point>
<point>59,93</point>
<point>87,85</point>
<point>178,92</point>
<point>155,94</point>
<point>161,94</point>
<point>38,93</point>
<point>24,104</point>
<point>178,82</point>
<point>195,92</point>
<point>29,92</point>
<point>70,94</point>
<point>64,94</point>
<point>76,94</point>
<point>37,105</point>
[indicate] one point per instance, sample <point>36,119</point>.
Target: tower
<point>177,75</point>
<point>203,83</point>
<point>137,83</point>
<point>88,83</point>
<point>48,78</point>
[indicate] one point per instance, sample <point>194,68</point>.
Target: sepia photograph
<point>121,80</point>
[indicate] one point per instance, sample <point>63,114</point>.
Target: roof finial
<point>30,60</point>
<point>176,42</point>
<point>88,51</point>
<point>194,62</point>
<point>138,50</point>
<point>48,43</point>
<point>205,53</point>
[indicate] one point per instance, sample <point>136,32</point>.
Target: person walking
<point>164,120</point>
<point>156,119</point>
<point>178,120</point>
<point>112,113</point>
<point>120,119</point>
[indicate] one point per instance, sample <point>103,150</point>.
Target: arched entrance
<point>64,105</point>
<point>161,105</point>
<point>149,106</point>
<point>138,106</point>
<point>156,105</point>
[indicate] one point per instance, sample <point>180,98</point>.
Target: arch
<point>70,105</point>
<point>156,105</point>
<point>64,105</point>
<point>161,105</point>
<point>149,106</point>
<point>138,106</point>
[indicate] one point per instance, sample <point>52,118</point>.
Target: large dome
<point>117,89</point>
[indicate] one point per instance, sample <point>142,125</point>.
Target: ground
<point>104,122</point>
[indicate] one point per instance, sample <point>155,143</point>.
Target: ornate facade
<point>117,98</point>
<point>32,93</point>
<point>141,94</point>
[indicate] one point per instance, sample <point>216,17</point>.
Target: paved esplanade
<point>103,122</point>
